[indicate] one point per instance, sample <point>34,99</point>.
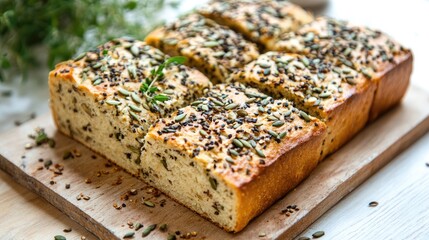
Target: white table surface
<point>401,188</point>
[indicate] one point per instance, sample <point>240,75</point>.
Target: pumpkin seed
<point>233,152</point>
<point>264,64</point>
<point>351,81</point>
<point>318,234</point>
<point>169,91</point>
<point>135,50</point>
<point>242,113</point>
<point>163,227</point>
<point>231,106</point>
<point>245,143</point>
<point>97,65</point>
<point>196,103</point>
<point>136,98</point>
<point>219,103</point>
<point>97,81</point>
<point>123,92</point>
<point>148,230</point>
<point>265,102</point>
<point>135,108</point>
<point>272,133</point>
<point>149,204</point>
<point>229,159</point>
<point>366,73</point>
<point>129,235</point>
<point>237,143</point>
<point>203,133</point>
<point>282,135</point>
<point>135,116</point>
<point>278,123</point>
<point>305,116</point>
<point>113,102</point>
<point>205,107</point>
<point>272,118</point>
<point>250,100</point>
<point>260,153</point>
<point>325,95</point>
<point>60,237</point>
<point>253,143</point>
<point>180,117</point>
<point>211,44</point>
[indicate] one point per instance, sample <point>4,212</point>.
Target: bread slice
<point>325,88</point>
<point>213,49</point>
<point>232,153</point>
<point>369,51</point>
<point>96,99</point>
<point>260,21</point>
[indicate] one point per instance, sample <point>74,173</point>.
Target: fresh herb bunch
<point>68,26</point>
<point>149,91</point>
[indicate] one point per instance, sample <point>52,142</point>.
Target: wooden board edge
<point>75,213</point>
<point>357,179</point>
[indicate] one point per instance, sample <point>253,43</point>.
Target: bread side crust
<point>284,174</point>
<point>391,86</point>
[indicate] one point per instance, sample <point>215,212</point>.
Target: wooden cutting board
<point>96,186</point>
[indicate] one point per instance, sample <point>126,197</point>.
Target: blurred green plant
<point>65,27</point>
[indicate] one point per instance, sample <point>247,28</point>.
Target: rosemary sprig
<point>148,89</point>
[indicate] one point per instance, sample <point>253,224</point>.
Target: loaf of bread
<point>260,21</point>
<point>368,51</point>
<point>329,90</point>
<point>96,99</point>
<point>229,151</point>
<point>213,49</point>
<point>232,153</point>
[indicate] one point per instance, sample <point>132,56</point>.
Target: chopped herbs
<point>148,89</point>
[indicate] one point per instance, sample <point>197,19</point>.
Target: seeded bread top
<point>260,21</point>
<point>316,85</point>
<point>217,49</point>
<point>368,51</point>
<point>113,73</point>
<point>236,131</point>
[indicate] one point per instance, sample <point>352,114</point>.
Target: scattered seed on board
<point>129,235</point>
<point>60,237</point>
<point>303,238</point>
<point>148,230</point>
<point>373,204</point>
<point>318,234</point>
<point>149,204</point>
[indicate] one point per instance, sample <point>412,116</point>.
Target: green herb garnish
<point>150,91</point>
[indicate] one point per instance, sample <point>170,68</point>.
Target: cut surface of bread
<point>232,153</point>
<point>96,99</point>
<point>327,89</point>
<point>371,52</point>
<point>260,21</point>
<point>213,49</point>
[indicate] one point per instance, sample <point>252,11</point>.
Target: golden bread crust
<point>236,134</point>
<point>214,49</point>
<point>260,21</point>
